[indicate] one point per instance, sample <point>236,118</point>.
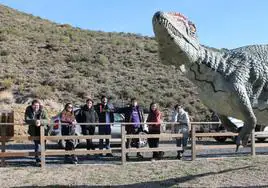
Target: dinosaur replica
<point>231,82</point>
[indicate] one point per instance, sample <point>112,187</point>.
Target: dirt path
<point>229,172</point>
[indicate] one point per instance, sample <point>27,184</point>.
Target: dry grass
<point>6,97</point>
<point>244,172</point>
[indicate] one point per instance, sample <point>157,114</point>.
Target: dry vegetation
<point>245,172</point>
<point>46,60</point>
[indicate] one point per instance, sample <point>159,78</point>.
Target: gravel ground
<point>228,172</point>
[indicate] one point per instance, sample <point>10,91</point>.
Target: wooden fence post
<point>42,145</point>
<point>3,119</point>
<point>253,148</point>
<point>123,144</point>
<point>193,138</point>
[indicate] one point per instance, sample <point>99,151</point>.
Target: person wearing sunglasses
<point>68,128</point>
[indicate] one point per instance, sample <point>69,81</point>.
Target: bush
<point>7,83</point>
<point>21,88</point>
<point>3,37</point>
<point>77,57</point>
<point>6,97</point>
<point>151,47</point>
<point>102,59</point>
<point>4,53</point>
<point>42,92</point>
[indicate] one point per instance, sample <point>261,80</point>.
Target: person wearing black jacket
<point>106,115</point>
<point>133,114</point>
<point>35,116</point>
<point>87,114</point>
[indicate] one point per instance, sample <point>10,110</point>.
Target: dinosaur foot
<point>245,140</point>
<point>237,142</point>
<point>237,147</point>
<point>243,143</point>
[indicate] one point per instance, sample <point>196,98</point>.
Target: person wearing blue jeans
<point>35,116</point>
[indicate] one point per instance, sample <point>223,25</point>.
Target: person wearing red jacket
<point>154,117</point>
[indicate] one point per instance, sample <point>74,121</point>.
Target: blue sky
<point>220,23</point>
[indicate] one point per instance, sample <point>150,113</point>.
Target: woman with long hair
<point>68,128</point>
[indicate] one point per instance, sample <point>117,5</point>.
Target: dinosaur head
<point>177,39</point>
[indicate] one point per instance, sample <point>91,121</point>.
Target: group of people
<point>103,112</point>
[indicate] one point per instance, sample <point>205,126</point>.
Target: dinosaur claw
<point>237,147</point>
<point>238,143</point>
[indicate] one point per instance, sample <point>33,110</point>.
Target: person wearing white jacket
<point>181,116</point>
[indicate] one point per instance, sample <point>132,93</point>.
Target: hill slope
<point>39,58</point>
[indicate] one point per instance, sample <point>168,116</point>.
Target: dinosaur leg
<point>231,127</point>
<point>249,117</point>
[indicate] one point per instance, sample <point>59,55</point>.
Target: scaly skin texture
<point>231,82</point>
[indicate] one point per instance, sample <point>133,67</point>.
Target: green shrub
<point>3,37</point>
<point>4,53</point>
<point>42,92</point>
<point>151,47</point>
<point>102,59</point>
<point>21,88</point>
<point>7,83</point>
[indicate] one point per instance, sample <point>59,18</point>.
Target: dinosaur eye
<point>192,27</point>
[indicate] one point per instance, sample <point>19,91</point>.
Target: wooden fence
<point>124,136</point>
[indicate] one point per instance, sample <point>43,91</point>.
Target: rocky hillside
<point>42,59</point>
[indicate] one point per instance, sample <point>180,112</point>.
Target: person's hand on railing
<point>73,124</point>
<point>38,123</point>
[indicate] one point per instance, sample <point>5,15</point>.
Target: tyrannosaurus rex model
<point>231,82</point>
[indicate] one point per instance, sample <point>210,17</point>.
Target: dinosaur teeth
<point>168,25</point>
<point>166,22</point>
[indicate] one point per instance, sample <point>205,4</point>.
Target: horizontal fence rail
<point>124,137</point>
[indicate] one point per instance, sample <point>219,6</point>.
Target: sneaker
<point>155,154</point>
<point>38,164</point>
<point>179,156</point>
<point>93,147</point>
<point>160,155</point>
<point>100,155</point>
<point>139,156</point>
<point>74,159</point>
<point>67,159</point>
<point>109,155</point>
<point>37,160</point>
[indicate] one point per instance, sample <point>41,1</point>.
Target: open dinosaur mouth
<point>171,29</point>
<point>164,22</point>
